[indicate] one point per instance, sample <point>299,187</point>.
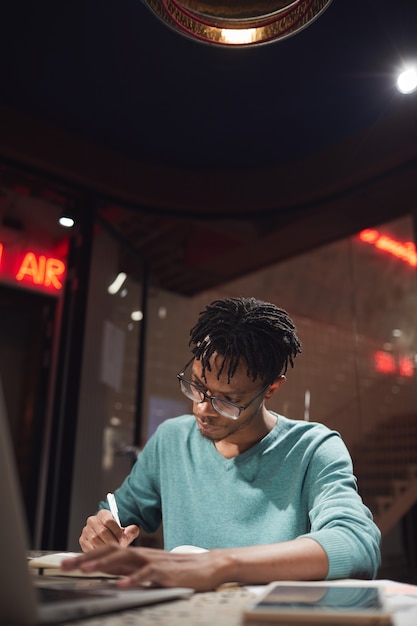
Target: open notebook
<point>28,599</point>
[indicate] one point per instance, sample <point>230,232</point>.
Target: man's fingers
<point>129,534</point>
<point>100,530</point>
<point>90,559</point>
<point>110,559</point>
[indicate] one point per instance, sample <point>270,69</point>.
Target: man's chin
<point>214,433</point>
<point>211,437</point>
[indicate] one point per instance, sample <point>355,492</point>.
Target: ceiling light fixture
<point>240,23</point>
<point>66,221</point>
<point>136,316</point>
<point>407,80</point>
<point>117,283</point>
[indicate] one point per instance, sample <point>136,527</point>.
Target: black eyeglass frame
<point>207,398</point>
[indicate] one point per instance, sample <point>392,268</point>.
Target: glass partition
<point>354,303</point>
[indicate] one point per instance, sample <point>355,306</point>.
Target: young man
<point>269,498</point>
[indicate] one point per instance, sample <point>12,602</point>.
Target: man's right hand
<point>102,529</point>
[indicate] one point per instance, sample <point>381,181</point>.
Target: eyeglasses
<point>224,407</point>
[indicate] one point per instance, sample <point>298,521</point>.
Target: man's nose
<point>204,408</point>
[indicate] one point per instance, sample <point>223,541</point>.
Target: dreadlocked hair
<point>246,329</point>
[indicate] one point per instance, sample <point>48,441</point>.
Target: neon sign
<point>406,251</point>
<point>33,269</point>
<point>385,363</point>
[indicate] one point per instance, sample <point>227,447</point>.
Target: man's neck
<point>240,442</point>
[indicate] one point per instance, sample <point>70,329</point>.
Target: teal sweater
<point>297,481</point>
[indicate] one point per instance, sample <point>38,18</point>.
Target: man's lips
<point>206,427</point>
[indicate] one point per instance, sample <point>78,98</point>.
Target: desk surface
<point>225,606</point>
<point>219,608</point>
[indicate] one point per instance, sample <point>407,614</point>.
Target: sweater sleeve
<point>340,522</point>
<point>138,497</point>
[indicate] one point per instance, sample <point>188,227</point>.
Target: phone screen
<point>322,598</point>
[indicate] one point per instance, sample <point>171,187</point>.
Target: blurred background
<point>285,171</point>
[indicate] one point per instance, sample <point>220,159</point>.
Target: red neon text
<point>404,251</point>
<point>42,270</point>
<point>32,269</point>
<point>386,364</point>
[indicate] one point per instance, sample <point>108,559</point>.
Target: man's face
<point>241,390</point>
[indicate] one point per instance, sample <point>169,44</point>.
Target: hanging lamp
<point>237,22</point>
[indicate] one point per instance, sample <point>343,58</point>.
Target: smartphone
<point>319,603</point>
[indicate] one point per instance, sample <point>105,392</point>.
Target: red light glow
<point>406,368</point>
<point>406,251</point>
<point>33,269</point>
<point>385,363</point>
<point>41,270</point>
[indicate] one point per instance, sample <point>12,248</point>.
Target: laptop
<point>28,599</point>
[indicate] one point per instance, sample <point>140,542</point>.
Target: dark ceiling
<point>212,162</point>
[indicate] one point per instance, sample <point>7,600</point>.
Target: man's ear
<point>275,385</point>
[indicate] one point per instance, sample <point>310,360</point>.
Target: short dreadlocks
<point>246,328</point>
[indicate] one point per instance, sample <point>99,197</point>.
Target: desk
<point>225,606</point>
<point>217,608</point>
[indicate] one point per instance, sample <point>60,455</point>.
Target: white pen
<point>113,507</point>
